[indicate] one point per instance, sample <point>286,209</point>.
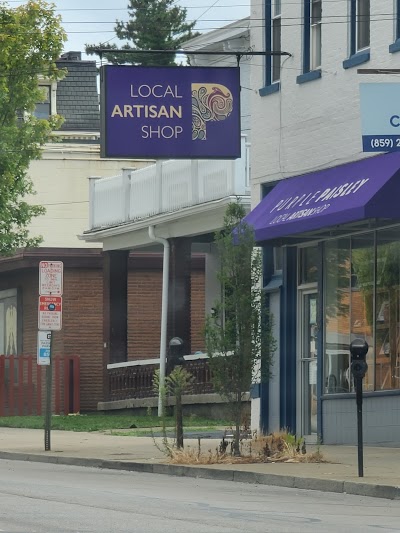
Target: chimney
<point>71,56</point>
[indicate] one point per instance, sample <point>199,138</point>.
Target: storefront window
<point>362,300</point>
<point>308,265</point>
<point>337,316</point>
<point>388,309</point>
<point>362,297</point>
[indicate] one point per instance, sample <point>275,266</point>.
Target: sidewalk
<point>381,465</point>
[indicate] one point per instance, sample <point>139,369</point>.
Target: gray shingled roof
<point>77,98</point>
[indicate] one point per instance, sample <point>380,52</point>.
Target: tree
<point>153,25</point>
<point>31,40</point>
<point>238,334</point>
<point>176,383</point>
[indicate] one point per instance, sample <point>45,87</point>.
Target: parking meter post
<point>360,446</point>
<point>47,420</point>
<point>359,367</point>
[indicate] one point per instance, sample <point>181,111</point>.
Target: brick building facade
<point>83,304</point>
<point>61,181</point>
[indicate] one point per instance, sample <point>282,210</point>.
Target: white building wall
<point>305,127</point>
<point>61,182</point>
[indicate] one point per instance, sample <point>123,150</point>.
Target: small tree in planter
<point>238,334</point>
<point>176,383</point>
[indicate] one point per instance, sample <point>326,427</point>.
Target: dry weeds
<point>275,448</point>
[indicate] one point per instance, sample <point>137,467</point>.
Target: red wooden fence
<point>23,385</point>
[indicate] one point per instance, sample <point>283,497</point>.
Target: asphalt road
<point>48,498</point>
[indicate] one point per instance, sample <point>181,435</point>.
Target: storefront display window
<point>362,297</point>
<point>388,310</point>
<point>308,265</point>
<point>337,315</point>
<point>362,300</point>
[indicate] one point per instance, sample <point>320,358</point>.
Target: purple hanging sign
<point>170,112</point>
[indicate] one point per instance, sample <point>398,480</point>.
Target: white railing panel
<point>166,187</point>
<point>144,193</point>
<point>215,180</point>
<point>108,202</point>
<point>176,185</point>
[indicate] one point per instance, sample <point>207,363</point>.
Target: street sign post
<point>43,347</point>
<point>51,277</point>
<point>50,313</point>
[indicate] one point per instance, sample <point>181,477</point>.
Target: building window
<point>278,260</point>
<point>273,26</point>
<point>312,41</point>
<point>308,265</point>
<point>360,22</point>
<point>387,310</point>
<point>276,39</point>
<point>397,20</point>
<point>316,43</point>
<point>362,27</point>
<point>362,300</point>
<point>8,322</point>
<point>395,47</point>
<point>43,108</point>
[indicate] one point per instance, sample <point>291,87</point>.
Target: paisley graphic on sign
<point>211,102</point>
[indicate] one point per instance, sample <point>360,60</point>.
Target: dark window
<point>308,265</point>
<point>273,15</point>
<point>363,24</point>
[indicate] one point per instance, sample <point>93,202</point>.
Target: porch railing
<point>165,187</point>
<point>136,380</point>
<point>22,385</point>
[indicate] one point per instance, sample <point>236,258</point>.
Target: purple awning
<point>365,189</point>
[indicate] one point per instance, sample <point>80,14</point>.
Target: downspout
<point>164,315</point>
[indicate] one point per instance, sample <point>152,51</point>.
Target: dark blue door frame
<point>320,341</point>
<point>288,348</point>
<point>268,266</point>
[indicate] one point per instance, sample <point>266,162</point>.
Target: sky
<point>93,21</point>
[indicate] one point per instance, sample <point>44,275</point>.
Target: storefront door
<point>307,419</point>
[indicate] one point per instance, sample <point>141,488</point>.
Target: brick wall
<point>198,310</point>
<point>82,331</point>
<point>144,312</point>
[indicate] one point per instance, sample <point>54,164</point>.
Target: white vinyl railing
<point>165,187</point>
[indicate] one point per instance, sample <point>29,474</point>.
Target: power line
<point>211,28</point>
<point>206,11</point>
<point>347,17</point>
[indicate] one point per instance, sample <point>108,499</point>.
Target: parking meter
<point>359,367</point>
<point>175,354</point>
<point>358,350</point>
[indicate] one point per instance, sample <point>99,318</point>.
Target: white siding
<point>62,185</point>
<point>317,124</point>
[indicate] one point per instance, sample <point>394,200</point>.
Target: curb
<point>324,485</point>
